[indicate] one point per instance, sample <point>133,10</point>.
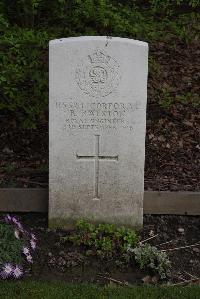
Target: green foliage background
<point>26,26</point>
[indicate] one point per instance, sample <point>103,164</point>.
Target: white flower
<point>7,218</point>
<point>20,227</point>
<point>29,259</point>
<point>14,220</point>
<point>26,251</point>
<point>6,271</point>
<point>17,234</point>
<point>33,244</point>
<point>8,268</point>
<point>17,272</point>
<point>33,237</point>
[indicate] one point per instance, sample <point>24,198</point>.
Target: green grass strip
<point>46,290</point>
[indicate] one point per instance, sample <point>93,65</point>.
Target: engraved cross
<point>97,157</point>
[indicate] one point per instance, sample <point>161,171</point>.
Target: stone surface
<point>98,91</point>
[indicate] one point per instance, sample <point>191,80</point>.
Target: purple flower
<point>33,244</point>
<point>17,271</point>
<point>33,237</point>
<point>7,271</point>
<point>20,227</point>
<point>26,250</point>
<point>29,259</point>
<point>8,218</point>
<point>15,220</point>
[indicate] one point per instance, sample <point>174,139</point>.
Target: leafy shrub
<point>103,239</point>
<point>24,75</point>
<point>26,26</point>
<point>10,249</point>
<point>150,257</point>
<point>16,248</point>
<point>106,241</point>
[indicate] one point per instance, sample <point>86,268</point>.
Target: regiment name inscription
<point>97,115</point>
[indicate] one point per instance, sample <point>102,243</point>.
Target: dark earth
<point>173,133</point>
<point>56,261</point>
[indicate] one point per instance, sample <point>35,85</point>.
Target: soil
<point>56,261</point>
<point>172,139</point>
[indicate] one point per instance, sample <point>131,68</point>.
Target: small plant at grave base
<point>166,100</point>
<point>103,240</point>
<point>17,246</point>
<point>148,256</point>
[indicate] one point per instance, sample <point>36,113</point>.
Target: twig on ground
<point>114,280</point>
<point>183,247</point>
<point>141,242</point>
<point>178,277</point>
<point>191,275</point>
<point>165,243</point>
<point>183,282</point>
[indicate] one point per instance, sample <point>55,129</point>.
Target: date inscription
<point>97,116</point>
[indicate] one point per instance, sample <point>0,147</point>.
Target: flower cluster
<point>27,250</point>
<point>8,270</point>
<point>13,220</point>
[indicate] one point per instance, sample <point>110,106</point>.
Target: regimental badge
<point>98,75</point>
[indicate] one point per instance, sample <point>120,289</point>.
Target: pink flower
<point>20,227</point>
<point>14,219</point>
<point>33,244</point>
<point>8,218</point>
<point>6,271</point>
<point>33,237</point>
<point>26,250</point>
<point>17,271</point>
<point>29,259</point>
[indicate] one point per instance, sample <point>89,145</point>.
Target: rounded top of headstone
<point>98,38</point>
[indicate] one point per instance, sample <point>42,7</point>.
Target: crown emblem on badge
<point>99,57</point>
<point>98,74</point>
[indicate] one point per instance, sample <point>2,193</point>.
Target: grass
<point>46,290</point>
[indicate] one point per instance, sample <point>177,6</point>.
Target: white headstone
<point>98,92</point>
